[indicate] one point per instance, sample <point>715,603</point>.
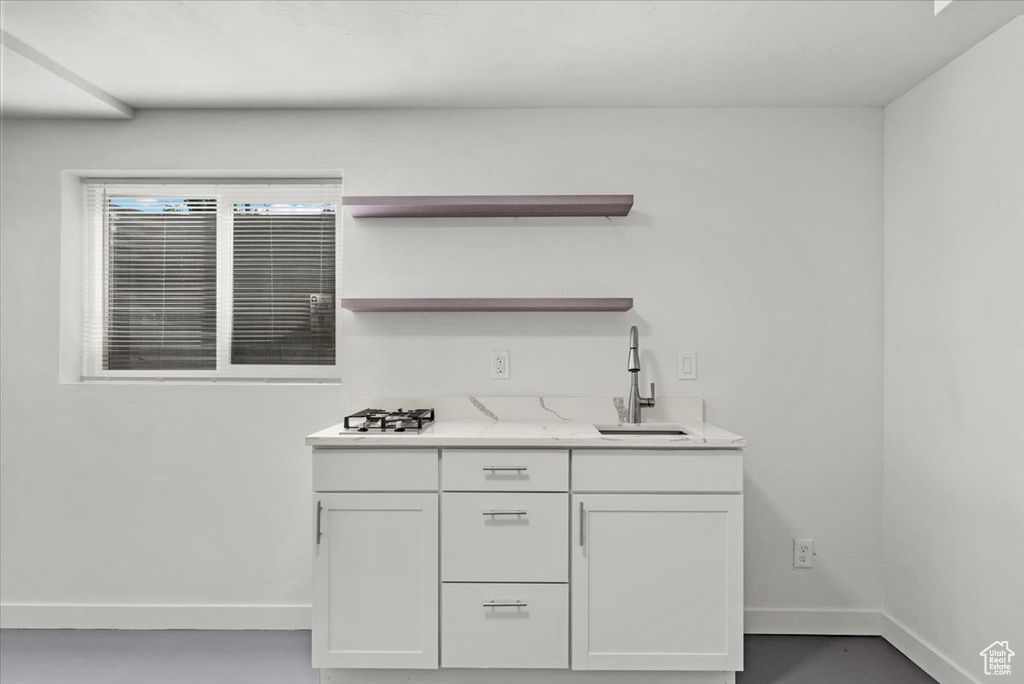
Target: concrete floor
<point>826,660</point>
<point>264,657</point>
<point>103,656</point>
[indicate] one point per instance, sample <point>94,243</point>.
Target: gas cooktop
<point>381,420</point>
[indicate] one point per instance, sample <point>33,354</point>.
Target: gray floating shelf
<point>483,206</point>
<point>500,304</point>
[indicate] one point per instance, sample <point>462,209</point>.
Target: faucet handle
<point>648,401</point>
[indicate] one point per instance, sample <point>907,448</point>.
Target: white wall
<point>756,239</point>
<point>954,354</point>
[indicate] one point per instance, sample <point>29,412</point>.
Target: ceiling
<point>103,58</point>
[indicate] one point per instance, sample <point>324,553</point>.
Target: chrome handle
<point>505,604</point>
<point>581,523</point>
<point>505,512</point>
<point>319,532</point>
<point>494,469</point>
<point>648,401</point>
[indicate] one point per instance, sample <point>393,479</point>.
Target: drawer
<point>504,537</point>
<point>381,470</point>
<point>505,470</point>
<point>505,625</point>
<point>636,470</point>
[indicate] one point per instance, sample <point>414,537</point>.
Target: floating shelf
<point>481,206</point>
<point>503,304</point>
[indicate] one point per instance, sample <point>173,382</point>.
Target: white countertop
<point>502,433</point>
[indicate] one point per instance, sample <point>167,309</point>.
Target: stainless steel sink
<point>641,431</point>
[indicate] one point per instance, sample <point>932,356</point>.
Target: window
<point>200,280</point>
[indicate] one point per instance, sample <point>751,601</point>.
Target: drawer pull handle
<point>505,604</point>
<point>504,512</point>
<point>500,469</point>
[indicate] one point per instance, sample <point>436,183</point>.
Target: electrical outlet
<point>687,365</point>
<point>499,365</point>
<point>803,553</point>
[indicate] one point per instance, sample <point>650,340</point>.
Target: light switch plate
<point>687,365</point>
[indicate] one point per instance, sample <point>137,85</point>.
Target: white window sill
<point>205,380</point>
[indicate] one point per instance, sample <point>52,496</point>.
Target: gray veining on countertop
<point>552,411</point>
<point>483,409</point>
<point>620,408</point>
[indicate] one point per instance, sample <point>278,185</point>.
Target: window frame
<point>227,192</point>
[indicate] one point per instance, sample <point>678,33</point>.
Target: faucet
<point>636,402</point>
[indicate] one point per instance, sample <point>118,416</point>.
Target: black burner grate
<point>381,420</point>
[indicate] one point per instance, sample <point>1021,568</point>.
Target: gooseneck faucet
<point>636,402</point>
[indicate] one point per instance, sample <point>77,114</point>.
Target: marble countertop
<point>500,433</point>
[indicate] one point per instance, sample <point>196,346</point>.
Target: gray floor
<point>206,657</point>
<point>103,656</point>
<point>826,660</point>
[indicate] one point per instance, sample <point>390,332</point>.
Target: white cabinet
<point>657,582</point>
<point>504,537</point>
<point>375,470</point>
<point>665,471</point>
<point>375,580</point>
<point>505,470</point>
<point>505,625</point>
<point>553,562</point>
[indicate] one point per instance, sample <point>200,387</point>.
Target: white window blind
<point>199,280</point>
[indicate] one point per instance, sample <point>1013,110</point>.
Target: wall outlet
<point>803,553</point>
<point>499,365</point>
<point>687,365</point>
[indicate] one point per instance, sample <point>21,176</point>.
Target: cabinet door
<point>375,583</point>
<point>657,582</point>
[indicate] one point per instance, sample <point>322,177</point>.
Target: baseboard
<point>140,616</point>
<point>923,654</point>
<point>840,622</point>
